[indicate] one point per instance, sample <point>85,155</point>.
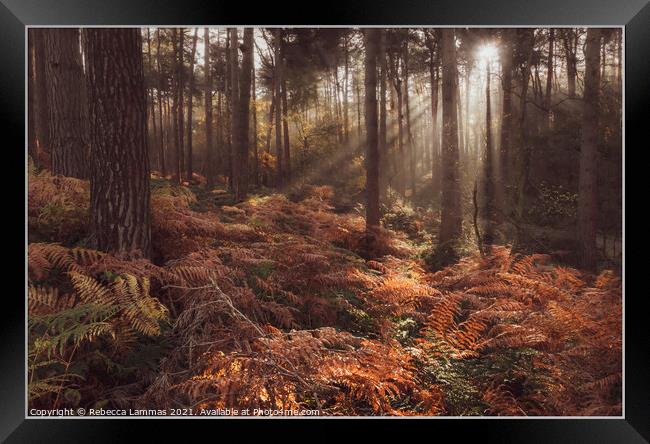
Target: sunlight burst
<point>487,52</point>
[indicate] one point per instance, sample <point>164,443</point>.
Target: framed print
<point>382,212</point>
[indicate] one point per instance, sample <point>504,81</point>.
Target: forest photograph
<point>324,221</point>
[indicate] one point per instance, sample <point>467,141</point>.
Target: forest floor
<point>278,304</point>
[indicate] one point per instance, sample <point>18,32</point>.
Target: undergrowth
<point>279,304</point>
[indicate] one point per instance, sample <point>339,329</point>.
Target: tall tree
<point>64,75</point>
<point>241,189</point>
<point>285,118</point>
<point>174,110</point>
<point>549,76</point>
<point>526,44</point>
<point>346,121</point>
<point>434,79</point>
<point>488,184</point>
<point>383,144</point>
<point>235,120</point>
<point>277,76</point>
<point>407,106</point>
<point>41,126</point>
<point>570,42</point>
<point>401,155</point>
<point>180,73</point>
<point>451,215</point>
<point>190,96</point>
<point>119,179</point>
<point>163,166</point>
<point>256,157</point>
<point>32,140</point>
<point>505,148</point>
<point>209,170</point>
<point>587,192</point>
<point>371,41</point>
<point>150,94</point>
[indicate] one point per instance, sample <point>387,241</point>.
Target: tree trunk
<point>228,110</point>
<point>119,179</point>
<point>219,161</point>
<point>32,143</point>
<point>383,145</point>
<point>235,114</point>
<point>570,42</point>
<point>411,145</point>
<point>181,102</point>
<point>163,167</point>
<point>549,78</point>
<point>371,40</point>
<point>587,192</point>
<point>358,88</point>
<point>64,76</point>
<point>451,215</point>
<point>278,108</point>
<point>488,184</point>
<point>152,105</point>
<point>174,116</point>
<point>401,155</point>
<point>256,156</point>
<point>241,190</point>
<point>40,103</point>
<point>346,121</point>
<point>285,129</point>
<point>209,170</point>
<point>269,130</point>
<point>524,155</point>
<point>190,96</point>
<point>435,145</point>
<point>505,147</point>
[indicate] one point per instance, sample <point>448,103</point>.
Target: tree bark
<point>524,155</point>
<point>587,192</point>
<point>32,142</point>
<point>163,167</point>
<point>358,88</point>
<point>256,156</point>
<point>285,130</point>
<point>119,180</point>
<point>371,40</point>
<point>40,103</point>
<point>505,147</point>
<point>401,155</point>
<point>411,144</point>
<point>181,102</point>
<point>190,96</point>
<point>383,145</point>
<point>66,118</point>
<point>549,78</point>
<point>235,117</point>
<point>209,170</point>
<point>278,107</point>
<point>435,145</point>
<point>451,215</point>
<point>570,43</point>
<point>175,105</point>
<point>488,184</point>
<point>241,190</point>
<point>346,121</point>
<point>150,93</point>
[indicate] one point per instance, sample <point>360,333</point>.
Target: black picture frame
<point>15,15</point>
